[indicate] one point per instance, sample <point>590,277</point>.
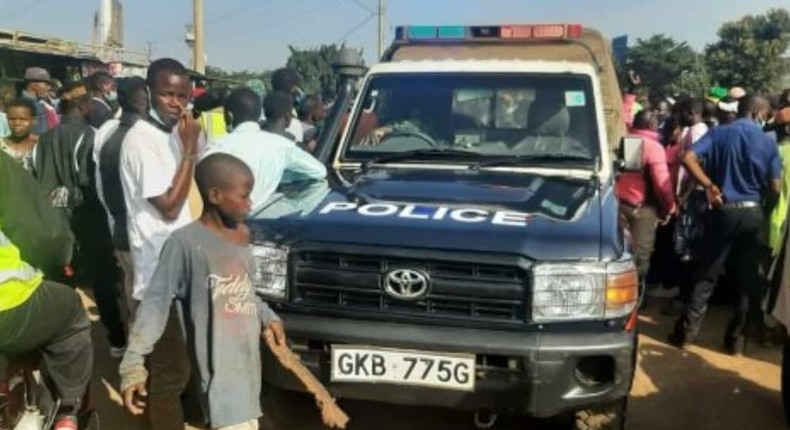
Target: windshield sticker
<point>429,213</point>
<point>575,99</point>
<point>468,139</point>
<point>553,207</point>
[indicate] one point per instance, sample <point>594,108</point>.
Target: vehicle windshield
<point>472,118</point>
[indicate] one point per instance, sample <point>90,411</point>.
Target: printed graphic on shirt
<point>233,294</point>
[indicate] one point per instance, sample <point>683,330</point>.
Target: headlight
<point>271,270</point>
<point>575,292</point>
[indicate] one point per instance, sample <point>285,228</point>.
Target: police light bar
<point>520,32</point>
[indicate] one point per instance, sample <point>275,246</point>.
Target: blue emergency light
<point>521,32</point>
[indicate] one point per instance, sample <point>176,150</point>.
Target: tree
<point>315,68</point>
<point>236,77</point>
<point>749,51</point>
<point>667,66</point>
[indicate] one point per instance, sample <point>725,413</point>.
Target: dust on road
<point>700,389</point>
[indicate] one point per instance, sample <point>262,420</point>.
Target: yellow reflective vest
<point>213,123</point>
<point>18,280</point>
<point>778,217</point>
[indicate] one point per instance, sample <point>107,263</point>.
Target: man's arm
<point>151,318</point>
<point>662,182</point>
<point>775,176</point>
<point>170,202</point>
<point>691,162</point>
<point>301,164</point>
<point>28,219</point>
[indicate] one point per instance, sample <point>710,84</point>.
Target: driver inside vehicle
<point>407,113</point>
<point>483,118</point>
<point>549,127</point>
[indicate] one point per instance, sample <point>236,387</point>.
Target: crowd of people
<point>123,174</point>
<point>153,198</point>
<point>711,198</point>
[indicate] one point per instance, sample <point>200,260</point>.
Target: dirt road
<point>700,389</point>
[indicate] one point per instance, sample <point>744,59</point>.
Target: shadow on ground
<point>699,389</point>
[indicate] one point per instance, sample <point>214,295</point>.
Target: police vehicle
<point>465,251</point>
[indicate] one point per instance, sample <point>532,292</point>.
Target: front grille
<point>459,290</point>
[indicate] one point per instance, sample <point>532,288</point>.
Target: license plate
<point>391,366</point>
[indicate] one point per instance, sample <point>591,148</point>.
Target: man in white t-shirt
<point>271,157</point>
<point>157,165</point>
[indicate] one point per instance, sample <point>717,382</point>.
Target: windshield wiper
<point>521,159</point>
<point>416,153</point>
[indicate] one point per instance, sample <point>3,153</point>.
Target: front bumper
<point>538,374</point>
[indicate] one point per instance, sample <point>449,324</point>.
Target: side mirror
<point>630,154</point>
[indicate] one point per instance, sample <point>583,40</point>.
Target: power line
<point>218,18</point>
<point>246,9</point>
<point>23,9</point>
<point>272,23</point>
<point>363,6</point>
<point>356,27</point>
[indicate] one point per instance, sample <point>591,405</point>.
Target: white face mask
<point>152,113</point>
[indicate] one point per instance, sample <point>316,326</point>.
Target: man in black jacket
<point>65,169</point>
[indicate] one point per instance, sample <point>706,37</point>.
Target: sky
<point>255,34</point>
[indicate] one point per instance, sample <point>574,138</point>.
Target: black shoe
<point>678,340</point>
<point>734,346</point>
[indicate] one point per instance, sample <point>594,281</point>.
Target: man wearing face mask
<point>37,89</point>
<point>157,165</point>
<point>104,98</point>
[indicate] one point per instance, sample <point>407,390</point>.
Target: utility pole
<point>382,30</point>
<point>198,53</point>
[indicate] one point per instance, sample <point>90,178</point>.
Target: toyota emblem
<point>407,284</point>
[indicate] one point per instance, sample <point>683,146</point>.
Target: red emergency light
<point>541,31</point>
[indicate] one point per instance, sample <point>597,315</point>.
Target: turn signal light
<point>622,292</point>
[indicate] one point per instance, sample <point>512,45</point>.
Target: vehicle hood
<point>538,217</point>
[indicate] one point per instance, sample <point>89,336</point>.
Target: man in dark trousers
<point>133,98</point>
<point>65,169</point>
<point>742,181</point>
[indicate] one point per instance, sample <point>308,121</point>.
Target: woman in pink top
<point>674,148</point>
<point>646,196</point>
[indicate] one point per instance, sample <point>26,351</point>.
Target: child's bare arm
<point>150,321</point>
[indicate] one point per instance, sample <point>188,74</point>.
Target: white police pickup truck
<point>465,251</point>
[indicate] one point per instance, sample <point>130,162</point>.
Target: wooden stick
<point>331,414</point>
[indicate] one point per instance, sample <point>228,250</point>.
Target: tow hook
<point>485,420</point>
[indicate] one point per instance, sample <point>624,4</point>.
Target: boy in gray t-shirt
<point>207,268</point>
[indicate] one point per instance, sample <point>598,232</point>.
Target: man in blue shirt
<point>742,181</point>
<point>270,156</point>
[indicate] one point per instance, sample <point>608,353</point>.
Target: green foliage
<point>667,67</point>
<point>315,68</point>
<point>695,81</point>
<point>749,51</point>
<point>236,77</point>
